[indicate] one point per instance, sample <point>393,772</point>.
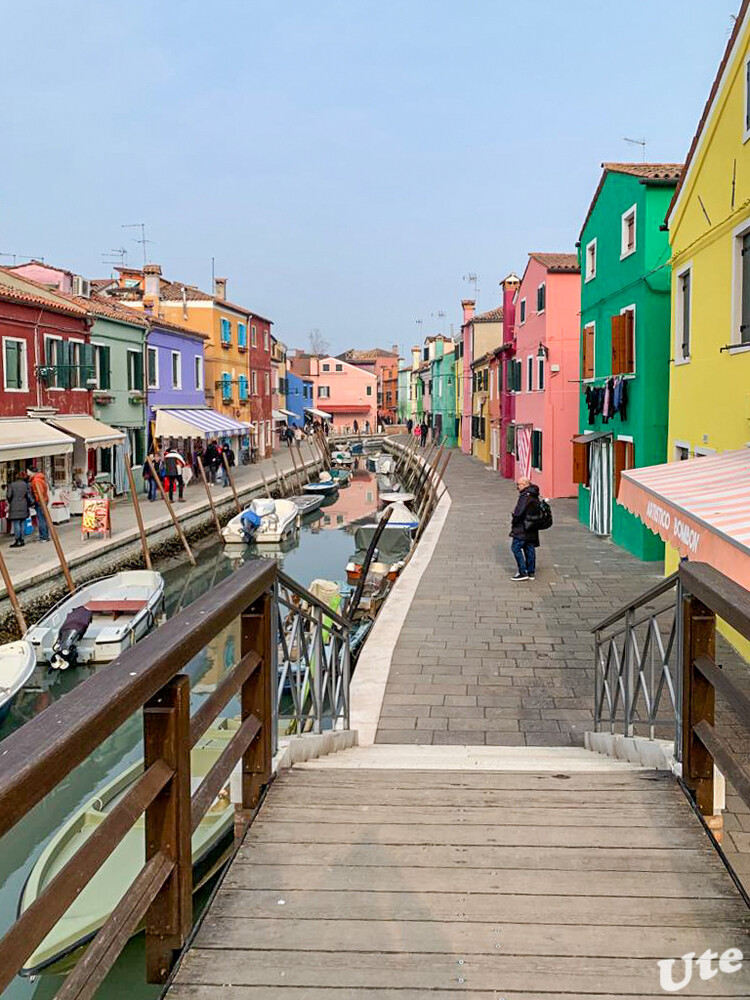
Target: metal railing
<point>636,662</point>
<point>148,678</point>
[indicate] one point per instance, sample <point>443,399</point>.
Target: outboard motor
<point>65,652</point>
<point>250,522</point>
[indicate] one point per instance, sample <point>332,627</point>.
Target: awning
<point>92,432</point>
<point>348,408</point>
<point>281,415</point>
<point>26,437</point>
<point>701,507</point>
<point>318,413</point>
<point>594,436</point>
<point>199,421</point>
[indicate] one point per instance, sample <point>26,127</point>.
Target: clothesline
<point>599,378</point>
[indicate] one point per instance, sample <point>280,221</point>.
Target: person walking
<point>299,434</point>
<point>423,434</point>
<point>409,425</point>
<point>149,478</point>
<point>524,530</point>
<point>212,461</point>
<point>40,490</point>
<point>20,500</point>
<point>288,435</point>
<point>174,463</point>
<point>355,425</point>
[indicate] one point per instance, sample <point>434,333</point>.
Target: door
<point>600,472</point>
<point>523,450</point>
<point>496,448</point>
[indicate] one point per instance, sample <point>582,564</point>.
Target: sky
<point>345,162</point>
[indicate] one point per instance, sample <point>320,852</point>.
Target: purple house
<point>175,369</point>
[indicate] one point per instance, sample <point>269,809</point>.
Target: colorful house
<point>443,391</point>
<point>458,384</point>
<point>625,344</point>
<point>466,412</point>
<point>482,335</point>
<point>175,369</point>
<point>384,365</point>
<point>547,348</point>
<point>404,407</point>
<point>345,393</point>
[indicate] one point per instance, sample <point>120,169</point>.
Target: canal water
<point>324,547</point>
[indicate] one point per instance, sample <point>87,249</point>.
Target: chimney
<point>510,287</point>
<point>151,286</point>
<point>468,307</point>
<point>394,349</point>
<point>416,357</point>
<point>220,288</point>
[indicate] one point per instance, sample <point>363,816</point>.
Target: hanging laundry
<point>624,400</point>
<point>606,413</point>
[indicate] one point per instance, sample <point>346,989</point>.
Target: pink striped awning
<point>701,507</point>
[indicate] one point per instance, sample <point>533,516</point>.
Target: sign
<point>95,516</point>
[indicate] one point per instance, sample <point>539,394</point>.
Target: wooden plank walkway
<point>363,881</point>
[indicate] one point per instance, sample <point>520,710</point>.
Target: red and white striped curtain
<point>523,450</point>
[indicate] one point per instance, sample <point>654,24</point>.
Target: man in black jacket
<point>523,529</point>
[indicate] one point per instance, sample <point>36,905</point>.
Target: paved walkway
<point>483,660</point>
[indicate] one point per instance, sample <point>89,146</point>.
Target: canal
<point>325,545</point>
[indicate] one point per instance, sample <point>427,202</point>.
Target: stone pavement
<point>483,660</point>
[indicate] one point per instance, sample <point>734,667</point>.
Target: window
<point>485,375</point>
<point>541,297</point>
<point>267,383</point>
<point>153,368</point>
<point>529,373</point>
<point>198,372</point>
<point>588,342</point>
<point>540,375</point>
<point>339,368</point>
<point>101,366</point>
<point>368,390</point>
<point>681,452</point>
<point>242,385</point>
<point>682,315</point>
<point>242,336</point>
<point>522,311</point>
<point>76,359</point>
<point>590,265</point>
<point>135,371</point>
<point>253,336</point>
<point>324,392</point>
<point>746,132</point>
<point>15,368</point>
<point>624,459</point>
<point>254,382</point>
<point>326,368</point>
<point>536,450</point>
<point>53,358</point>
<point>744,271</point>
<point>581,463</point>
<point>623,342</point>
<point>226,387</point>
<point>628,233</point>
<point>176,370</point>
<point>266,343</point>
<point>226,332</point>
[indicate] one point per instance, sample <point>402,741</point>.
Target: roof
<point>648,173</point>
<point>166,324</point>
<point>354,356</point>
<point>562,263</point>
<point>103,307</point>
<point>738,24</point>
<point>493,316</point>
<point>171,291</point>
<point>9,293</point>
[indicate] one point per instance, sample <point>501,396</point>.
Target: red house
<point>261,389</point>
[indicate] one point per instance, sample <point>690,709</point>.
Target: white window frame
<point>540,371</point>
<point>626,309</point>
<point>624,251</point>
<point>530,373</point>
<point>746,106</point>
<point>81,343</point>
<point>45,338</point>
<point>542,284</point>
<point>173,355</point>
<point>702,451</point>
<point>253,383</point>
<point>128,352</point>
<point>149,383</point>
<point>590,274</point>
<point>198,374</point>
<point>253,336</point>
<point>266,340</point>
<point>588,381</point>
<point>97,362</point>
<point>267,383</point>
<point>522,312</point>
<point>683,445</point>
<point>324,392</point>
<point>679,357</point>
<point>540,431</point>
<point>25,382</point>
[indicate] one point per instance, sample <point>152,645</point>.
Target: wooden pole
<point>265,484</point>
<point>56,539</point>
<point>280,481</point>
<point>294,465</point>
<point>172,514</point>
<point>138,513</point>
<point>302,470</point>
<point>12,596</point>
<point>210,498</point>
<point>231,480</point>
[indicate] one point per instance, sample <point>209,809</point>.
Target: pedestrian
<point>356,426</point>
<point>40,491</point>
<point>20,500</point>
<point>149,477</point>
<point>409,425</point>
<point>212,460</point>
<point>367,426</point>
<point>298,434</point>
<point>423,433</point>
<point>288,436</point>
<point>174,463</point>
<point>524,529</point>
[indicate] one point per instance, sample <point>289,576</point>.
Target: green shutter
<point>87,364</point>
<point>12,364</point>
<point>105,376</point>
<point>64,359</point>
<point>138,371</point>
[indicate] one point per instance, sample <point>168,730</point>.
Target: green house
<point>443,392</point>
<point>625,345</point>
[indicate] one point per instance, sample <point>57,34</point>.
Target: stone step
<point>470,758</point>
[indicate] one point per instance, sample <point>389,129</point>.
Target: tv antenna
<point>420,324</point>
<point>143,241</point>
<point>117,258</point>
<point>24,256</point>
<point>441,317</point>
<point>473,279</point>
<point>637,142</point>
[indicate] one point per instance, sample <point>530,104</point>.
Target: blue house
<point>298,396</point>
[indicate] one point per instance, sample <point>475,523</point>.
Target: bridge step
<point>468,758</point>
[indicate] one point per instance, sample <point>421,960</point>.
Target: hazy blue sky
<point>345,161</point>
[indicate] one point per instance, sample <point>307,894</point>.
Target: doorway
<point>600,509</point>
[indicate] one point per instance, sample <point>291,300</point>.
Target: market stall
<point>189,429</point>
<point>98,456</point>
<point>26,441</point>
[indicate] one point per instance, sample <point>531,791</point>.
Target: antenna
<point>473,279</point>
<point>25,256</point>
<point>420,324</point>
<point>213,273</point>
<point>143,241</point>
<point>118,257</point>
<point>637,142</point>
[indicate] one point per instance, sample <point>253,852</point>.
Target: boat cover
<point>393,545</point>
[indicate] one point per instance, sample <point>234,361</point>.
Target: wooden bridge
<point>515,865</point>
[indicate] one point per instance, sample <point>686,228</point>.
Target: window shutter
<point>628,335</point>
<point>486,379</point>
<point>685,289</point>
<point>745,327</point>
<point>87,364</point>
<point>64,357</point>
<point>138,371</point>
<point>624,456</point>
<point>510,439</point>
<point>587,364</point>
<point>618,345</point>
<point>581,463</point>
<point>536,450</point>
<point>104,376</point>
<point>12,365</point>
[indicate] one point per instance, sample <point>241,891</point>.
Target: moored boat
<point>262,521</point>
<point>322,486</point>
<point>100,620</point>
<point>342,459</point>
<point>17,662</point>
<point>395,496</point>
<point>307,503</point>
<point>394,545</point>
<point>400,517</point>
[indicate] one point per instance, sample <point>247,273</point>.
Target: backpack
<point>543,520</point>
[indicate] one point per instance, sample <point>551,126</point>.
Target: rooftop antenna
<point>420,324</point>
<point>143,241</point>
<point>117,258</point>
<point>637,142</point>
<point>24,256</point>
<point>213,273</point>
<point>473,279</point>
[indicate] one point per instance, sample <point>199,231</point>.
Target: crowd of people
<point>299,433</point>
<point>24,493</point>
<point>173,470</point>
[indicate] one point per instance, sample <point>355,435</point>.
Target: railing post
<point>677,659</point>
<point>627,670</point>
<point>699,639</point>
<point>346,671</point>
<point>598,683</point>
<point>276,624</point>
<point>256,698</point>
<point>317,672</point>
<point>166,736</point>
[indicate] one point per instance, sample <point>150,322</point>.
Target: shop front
<point>98,461</point>
<point>190,429</point>
<point>26,442</point>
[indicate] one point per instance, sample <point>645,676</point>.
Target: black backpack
<point>543,520</point>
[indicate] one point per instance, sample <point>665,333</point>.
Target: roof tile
<point>558,262</point>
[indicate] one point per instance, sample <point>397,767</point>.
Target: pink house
<point>346,392</point>
<point>548,304</point>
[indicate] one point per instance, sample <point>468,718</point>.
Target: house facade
<point>443,391</point>
<point>547,347</point>
<point>404,401</point>
<point>484,333</point>
<point>383,364</point>
<point>466,412</point>
<point>625,345</point>
<point>175,368</point>
<point>344,391</point>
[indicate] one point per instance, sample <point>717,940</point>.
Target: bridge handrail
<point>662,587</point>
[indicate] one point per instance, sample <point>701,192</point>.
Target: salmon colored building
<point>342,391</point>
<point>547,357</point>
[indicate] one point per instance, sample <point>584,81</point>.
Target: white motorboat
<point>401,516</point>
<point>17,662</point>
<point>100,620</point>
<point>342,459</point>
<point>307,503</point>
<point>395,496</point>
<point>263,521</point>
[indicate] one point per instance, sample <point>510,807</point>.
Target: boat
<point>401,516</point>
<point>342,458</point>
<point>262,521</point>
<point>382,464</point>
<point>307,503</point>
<point>395,496</point>
<point>340,476</point>
<point>100,620</point>
<point>325,487</point>
<point>356,448</point>
<point>17,662</point>
<point>211,843</point>
<point>394,545</point>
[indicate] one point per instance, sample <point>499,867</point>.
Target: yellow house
<point>459,383</point>
<point>480,411</point>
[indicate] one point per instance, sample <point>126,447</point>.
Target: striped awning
<point>701,507</point>
<point>199,421</point>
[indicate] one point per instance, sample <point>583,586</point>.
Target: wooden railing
<point>147,678</point>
